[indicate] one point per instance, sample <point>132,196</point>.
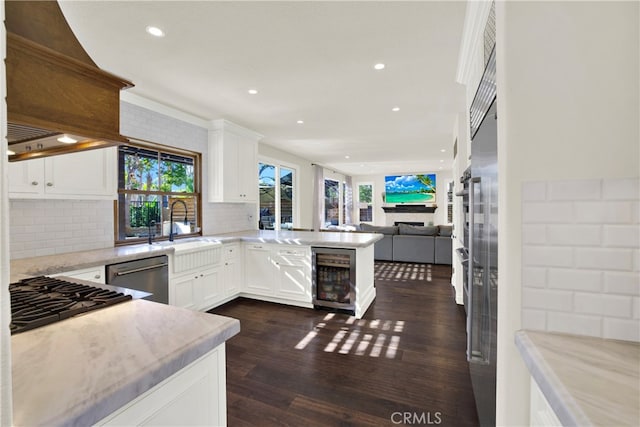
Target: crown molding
<point>226,125</point>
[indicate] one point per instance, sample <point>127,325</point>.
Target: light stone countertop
<point>79,370</point>
<point>60,263</point>
<point>588,381</point>
<point>338,239</point>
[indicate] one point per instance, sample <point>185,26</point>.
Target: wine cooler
<point>334,278</point>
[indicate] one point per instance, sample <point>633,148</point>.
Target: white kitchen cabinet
<point>182,292</point>
<point>231,270</point>
<point>279,271</point>
<point>259,270</point>
<point>209,288</point>
<point>92,274</point>
<point>293,273</point>
<point>83,175</point>
<point>193,396</point>
<point>195,279</point>
<point>233,163</point>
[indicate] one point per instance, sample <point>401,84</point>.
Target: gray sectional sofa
<point>410,243</point>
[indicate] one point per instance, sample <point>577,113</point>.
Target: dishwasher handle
<point>138,270</point>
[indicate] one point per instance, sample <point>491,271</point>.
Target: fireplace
<point>409,223</point>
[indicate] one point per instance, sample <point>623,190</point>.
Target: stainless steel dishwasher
<point>148,274</point>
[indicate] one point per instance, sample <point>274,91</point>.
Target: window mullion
<point>277,225</point>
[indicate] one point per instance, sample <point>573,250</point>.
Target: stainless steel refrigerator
<point>482,280</point>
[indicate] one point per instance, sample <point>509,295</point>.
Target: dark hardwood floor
<point>403,363</point>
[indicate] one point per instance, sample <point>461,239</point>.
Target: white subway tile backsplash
<point>534,191</point>
<point>603,213</point>
<point>572,279</point>
<point>574,235</point>
<point>622,236</point>
<point>604,259</point>
<point>534,319</point>
<point>581,257</point>
<point>534,277</point>
<point>607,305</point>
<point>619,329</point>
<point>547,299</point>
<point>621,189</point>
<point>574,190</point>
<point>571,323</point>
<point>534,234</point>
<point>547,256</point>
<point>43,227</point>
<point>627,283</point>
<point>547,213</point>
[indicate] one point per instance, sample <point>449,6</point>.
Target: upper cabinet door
<point>26,178</point>
<point>233,163</point>
<point>84,175</point>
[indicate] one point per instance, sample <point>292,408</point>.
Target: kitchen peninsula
<point>90,366</point>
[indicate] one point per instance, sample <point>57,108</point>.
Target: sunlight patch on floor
<point>375,338</point>
<point>403,272</point>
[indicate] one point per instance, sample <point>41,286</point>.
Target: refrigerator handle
<point>470,313</point>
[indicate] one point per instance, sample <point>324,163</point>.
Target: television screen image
<point>418,188</point>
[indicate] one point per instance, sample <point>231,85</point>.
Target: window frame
<point>197,194</point>
<point>295,206</point>
<point>357,209</point>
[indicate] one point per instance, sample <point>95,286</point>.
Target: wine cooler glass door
<point>334,278</point>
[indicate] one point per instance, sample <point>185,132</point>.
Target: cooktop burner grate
<point>40,301</point>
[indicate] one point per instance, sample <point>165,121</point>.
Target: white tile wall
<point>580,250</point>
<point>47,227</point>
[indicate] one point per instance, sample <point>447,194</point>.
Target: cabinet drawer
<point>231,251</point>
<point>293,256</point>
<point>196,260</point>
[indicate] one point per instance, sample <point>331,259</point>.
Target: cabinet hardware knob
<point>34,182</point>
<point>49,184</point>
<point>97,276</point>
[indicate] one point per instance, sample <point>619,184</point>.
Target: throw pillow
<point>417,230</point>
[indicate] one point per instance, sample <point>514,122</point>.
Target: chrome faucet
<point>186,211</point>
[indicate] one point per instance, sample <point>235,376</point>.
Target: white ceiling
<point>310,61</point>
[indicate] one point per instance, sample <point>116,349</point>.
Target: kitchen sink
<point>189,244</point>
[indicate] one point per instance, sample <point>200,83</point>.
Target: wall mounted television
<point>416,188</point>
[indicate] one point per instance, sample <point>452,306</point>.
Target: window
<point>365,202</point>
<point>276,186</point>
<point>151,184</point>
<point>331,202</point>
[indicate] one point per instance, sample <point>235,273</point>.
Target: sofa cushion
<point>417,230</point>
<point>445,230</point>
<point>389,230</point>
<point>414,248</point>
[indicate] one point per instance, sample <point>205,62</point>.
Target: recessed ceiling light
<point>300,122</point>
<point>440,167</point>
<point>347,157</point>
<point>443,150</point>
<point>379,66</point>
<point>362,165</point>
<point>252,91</point>
<point>11,152</point>
<point>67,139</point>
<point>441,161</point>
<point>155,31</point>
<point>395,109</point>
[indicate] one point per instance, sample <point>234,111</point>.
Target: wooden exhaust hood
<point>54,88</point>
